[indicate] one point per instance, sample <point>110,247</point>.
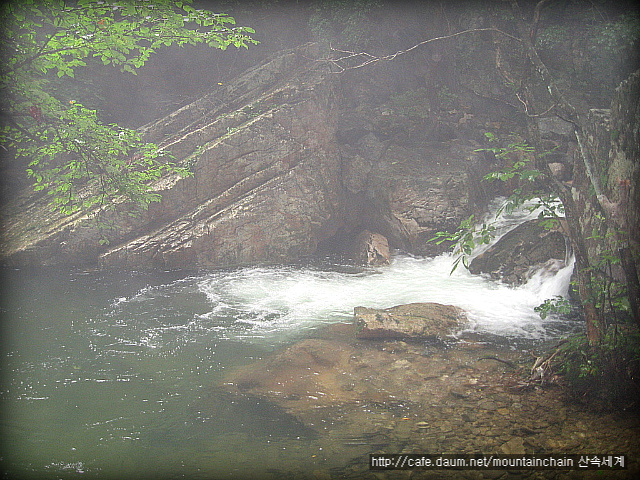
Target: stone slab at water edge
<point>414,320</point>
<point>366,397</point>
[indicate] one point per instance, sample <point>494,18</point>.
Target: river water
<point>107,374</point>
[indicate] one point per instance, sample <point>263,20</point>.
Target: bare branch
<point>366,58</point>
<point>566,109</point>
<point>533,33</point>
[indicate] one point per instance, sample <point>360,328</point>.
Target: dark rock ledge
<point>520,252</point>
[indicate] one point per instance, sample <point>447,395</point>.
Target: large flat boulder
<point>414,320</point>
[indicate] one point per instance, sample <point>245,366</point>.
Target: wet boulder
<point>521,252</point>
<point>414,320</point>
<point>371,249</point>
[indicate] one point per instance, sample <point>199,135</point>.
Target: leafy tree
<point>537,73</point>
<point>605,361</point>
<point>82,163</point>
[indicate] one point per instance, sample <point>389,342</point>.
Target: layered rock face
<point>265,184</point>
<point>284,166</point>
<point>265,187</point>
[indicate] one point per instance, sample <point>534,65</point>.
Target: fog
<point>177,75</point>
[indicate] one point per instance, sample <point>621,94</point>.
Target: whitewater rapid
<point>272,300</point>
<point>275,300</point>
<point>275,304</point>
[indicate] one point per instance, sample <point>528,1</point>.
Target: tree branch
<point>533,33</point>
<point>566,108</point>
<point>368,58</point>
<point>614,212</point>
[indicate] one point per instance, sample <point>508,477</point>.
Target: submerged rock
<point>363,397</point>
<point>521,252</point>
<point>414,320</point>
<point>218,411</point>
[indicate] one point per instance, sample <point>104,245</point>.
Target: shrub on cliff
<point>63,143</point>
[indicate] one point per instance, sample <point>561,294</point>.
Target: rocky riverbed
<point>462,396</point>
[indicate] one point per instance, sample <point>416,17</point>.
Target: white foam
<point>279,302</point>
<point>268,300</point>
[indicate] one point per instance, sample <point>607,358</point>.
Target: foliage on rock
<point>81,162</point>
<point>343,19</point>
<point>527,191</point>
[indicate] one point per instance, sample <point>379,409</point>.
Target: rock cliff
<point>284,166</point>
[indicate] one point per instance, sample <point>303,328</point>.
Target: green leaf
<point>80,162</point>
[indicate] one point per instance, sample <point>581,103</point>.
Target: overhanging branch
<point>366,58</point>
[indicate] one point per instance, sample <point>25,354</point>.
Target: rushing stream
<point>106,373</point>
